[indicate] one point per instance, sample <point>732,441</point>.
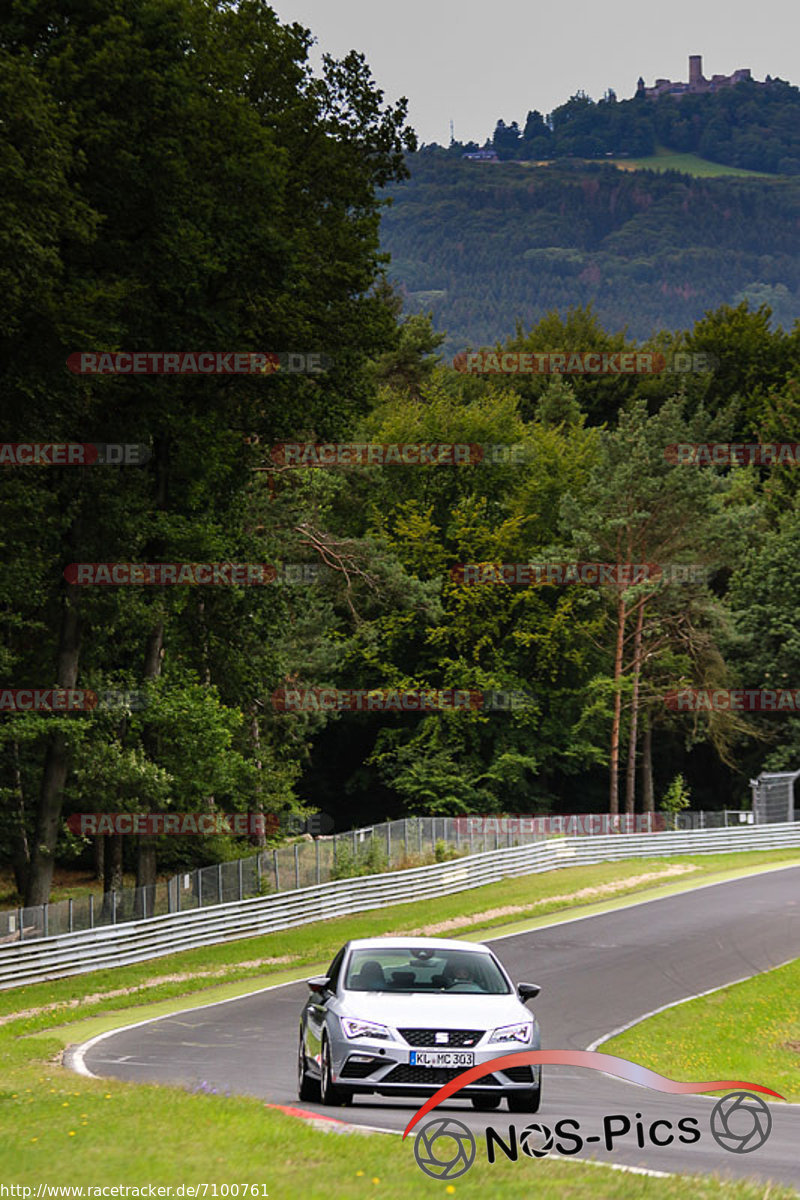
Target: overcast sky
<point>477,60</point>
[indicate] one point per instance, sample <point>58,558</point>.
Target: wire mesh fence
<point>391,845</point>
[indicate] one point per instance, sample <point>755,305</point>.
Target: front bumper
<point>383,1066</point>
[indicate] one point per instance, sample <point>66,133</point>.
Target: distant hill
<point>483,245</point>
<point>752,125</point>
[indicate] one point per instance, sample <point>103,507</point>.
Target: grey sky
<point>477,60</point>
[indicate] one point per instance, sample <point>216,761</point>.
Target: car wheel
<point>329,1092</point>
<point>307,1088</point>
<point>525,1102</point>
<point>485,1103</point>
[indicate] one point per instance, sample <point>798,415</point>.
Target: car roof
<point>404,943</point>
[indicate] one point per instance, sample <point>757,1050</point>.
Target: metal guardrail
<point>398,845</point>
<point>136,941</point>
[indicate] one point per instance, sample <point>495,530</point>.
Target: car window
<point>424,970</point>
<point>334,969</point>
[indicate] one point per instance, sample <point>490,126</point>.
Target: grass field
<point>689,164</point>
<point>64,1129</point>
<point>748,1031</point>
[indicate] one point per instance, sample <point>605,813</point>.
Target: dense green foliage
<point>176,178</point>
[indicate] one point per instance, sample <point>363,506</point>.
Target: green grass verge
<point>748,1031</point>
<point>65,1129</point>
<point>140,1135</point>
<point>275,957</point>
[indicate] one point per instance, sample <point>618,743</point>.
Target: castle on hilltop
<point>698,85</point>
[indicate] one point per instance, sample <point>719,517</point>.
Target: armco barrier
<point>136,941</point>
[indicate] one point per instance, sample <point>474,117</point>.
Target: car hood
<point>423,1011</point>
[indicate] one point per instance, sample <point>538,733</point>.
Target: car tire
<point>307,1087</point>
<point>525,1102</point>
<point>330,1093</point>
<point>486,1103</point>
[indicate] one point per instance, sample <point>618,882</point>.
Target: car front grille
<point>455,1037</point>
<point>403,1073</point>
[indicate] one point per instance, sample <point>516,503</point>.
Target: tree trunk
<point>20,851</point>
<point>100,856</point>
<point>56,764</point>
<point>630,782</point>
<point>613,772</point>
<point>259,839</point>
<point>146,854</point>
<point>113,880</point>
<point>647,763</point>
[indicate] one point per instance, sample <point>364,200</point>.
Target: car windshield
<point>424,970</point>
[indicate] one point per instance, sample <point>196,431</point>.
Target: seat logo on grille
<point>442,1039</point>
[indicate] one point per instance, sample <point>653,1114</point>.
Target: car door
<point>316,1010</point>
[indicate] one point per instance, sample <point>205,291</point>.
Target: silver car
<point>402,1016</point>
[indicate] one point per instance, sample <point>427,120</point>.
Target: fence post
<point>199,874</point>
<point>21,930</point>
<point>144,903</point>
<point>405,835</point>
<point>241,881</point>
<point>355,851</point>
<point>45,928</point>
<point>433,834</point>
<point>178,879</point>
<point>389,843</point>
<point>91,910</point>
<point>219,883</point>
<point>297,865</point>
<point>471,838</point>
<point>277,876</point>
<point>458,832</point>
<point>69,910</point>
<point>258,872</point>
<point>316,852</point>
<point>419,831</point>
<point>113,906</point>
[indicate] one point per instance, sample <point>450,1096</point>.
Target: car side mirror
<point>527,991</point>
<point>319,984</point>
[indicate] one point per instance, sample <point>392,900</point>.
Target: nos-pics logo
<point>445,1148</point>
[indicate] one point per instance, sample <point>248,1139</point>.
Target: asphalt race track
<point>596,974</point>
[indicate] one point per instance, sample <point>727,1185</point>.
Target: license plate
<point>441,1058</point>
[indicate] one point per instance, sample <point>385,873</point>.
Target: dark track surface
<point>596,975</point>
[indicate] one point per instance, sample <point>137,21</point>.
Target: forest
<point>246,218</point>
<point>483,246</point>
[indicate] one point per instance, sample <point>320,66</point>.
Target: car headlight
<point>356,1029</point>
<point>513,1033</point>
